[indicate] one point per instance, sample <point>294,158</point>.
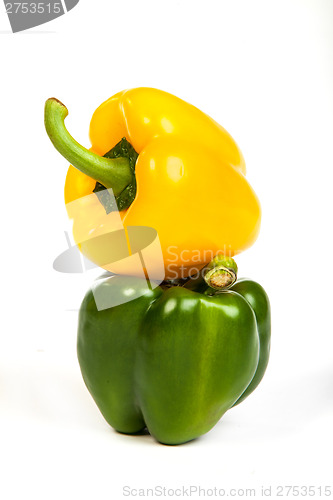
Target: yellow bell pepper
<point>189,180</point>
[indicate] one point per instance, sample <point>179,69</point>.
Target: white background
<point>264,70</point>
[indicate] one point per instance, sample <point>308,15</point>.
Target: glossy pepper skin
<point>173,360</point>
<point>190,178</point>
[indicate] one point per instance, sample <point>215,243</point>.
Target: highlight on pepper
<point>169,338</point>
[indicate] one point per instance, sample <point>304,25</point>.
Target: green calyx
<point>221,273</point>
<point>114,170</point>
<point>121,150</point>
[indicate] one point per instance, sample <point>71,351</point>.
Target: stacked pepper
<point>185,350</point>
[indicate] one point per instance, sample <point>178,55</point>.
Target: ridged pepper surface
<point>171,167</point>
<point>174,359</point>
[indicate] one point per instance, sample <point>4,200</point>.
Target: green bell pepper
<point>174,359</point>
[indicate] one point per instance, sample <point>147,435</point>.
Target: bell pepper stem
<point>221,273</point>
<point>114,173</point>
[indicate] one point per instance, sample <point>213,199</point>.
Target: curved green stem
<point>221,273</point>
<point>113,173</point>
